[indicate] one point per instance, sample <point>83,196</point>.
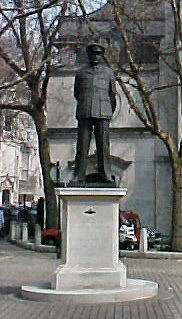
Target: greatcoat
<point>95,91</point>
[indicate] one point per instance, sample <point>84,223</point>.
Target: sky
<point>93,5</point>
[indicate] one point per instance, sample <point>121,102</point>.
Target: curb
<point>122,253</point>
<point>31,246</point>
<point>151,254</point>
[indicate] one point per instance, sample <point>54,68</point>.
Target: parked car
<point>50,236</point>
<point>134,219</point>
<point>127,238</point>
<point>10,214</point>
<point>154,237</point>
<point>1,221</point>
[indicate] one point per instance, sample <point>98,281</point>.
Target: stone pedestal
<point>90,270</point>
<point>90,253</point>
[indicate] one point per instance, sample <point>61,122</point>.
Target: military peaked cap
<point>95,47</point>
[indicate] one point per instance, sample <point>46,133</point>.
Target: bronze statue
<point>95,92</point>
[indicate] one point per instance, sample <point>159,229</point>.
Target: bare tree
<point>148,113</point>
<point>32,30</point>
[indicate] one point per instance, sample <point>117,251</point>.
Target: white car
<point>127,238</point>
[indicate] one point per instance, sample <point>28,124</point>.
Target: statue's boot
<point>107,179</point>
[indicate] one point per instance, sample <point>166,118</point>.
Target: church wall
<point>163,197</point>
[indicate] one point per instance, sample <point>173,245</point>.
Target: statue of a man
<point>95,92</point>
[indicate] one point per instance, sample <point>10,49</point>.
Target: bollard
<point>37,235</point>
<point>24,232</point>
<point>17,231</point>
<point>13,230</point>
<point>143,248</point>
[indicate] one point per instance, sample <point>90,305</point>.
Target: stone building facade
<point>140,160</point>
<point>20,174</point>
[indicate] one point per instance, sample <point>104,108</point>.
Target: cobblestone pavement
<point>22,267</point>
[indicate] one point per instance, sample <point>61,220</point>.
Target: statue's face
<point>95,57</point>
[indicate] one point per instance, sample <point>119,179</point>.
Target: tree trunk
<point>176,239</point>
<point>45,161</point>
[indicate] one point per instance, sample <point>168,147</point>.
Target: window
<point>146,49</point>
<point>8,120</point>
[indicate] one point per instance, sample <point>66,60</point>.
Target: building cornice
<point>133,132</point>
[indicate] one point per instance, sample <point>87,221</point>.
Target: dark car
<point>10,214</point>
<point>2,232</point>
<point>154,237</point>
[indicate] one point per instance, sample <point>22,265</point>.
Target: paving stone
<point>23,267</point>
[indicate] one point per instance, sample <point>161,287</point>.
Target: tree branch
<point>89,24</point>
<point>26,14</point>
<point>144,93</point>
<point>12,28</point>
<point>23,34</point>
<point>11,63</point>
<point>47,49</point>
<point>23,78</point>
<point>20,107</point>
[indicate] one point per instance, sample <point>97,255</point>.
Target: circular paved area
<point>22,267</point>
